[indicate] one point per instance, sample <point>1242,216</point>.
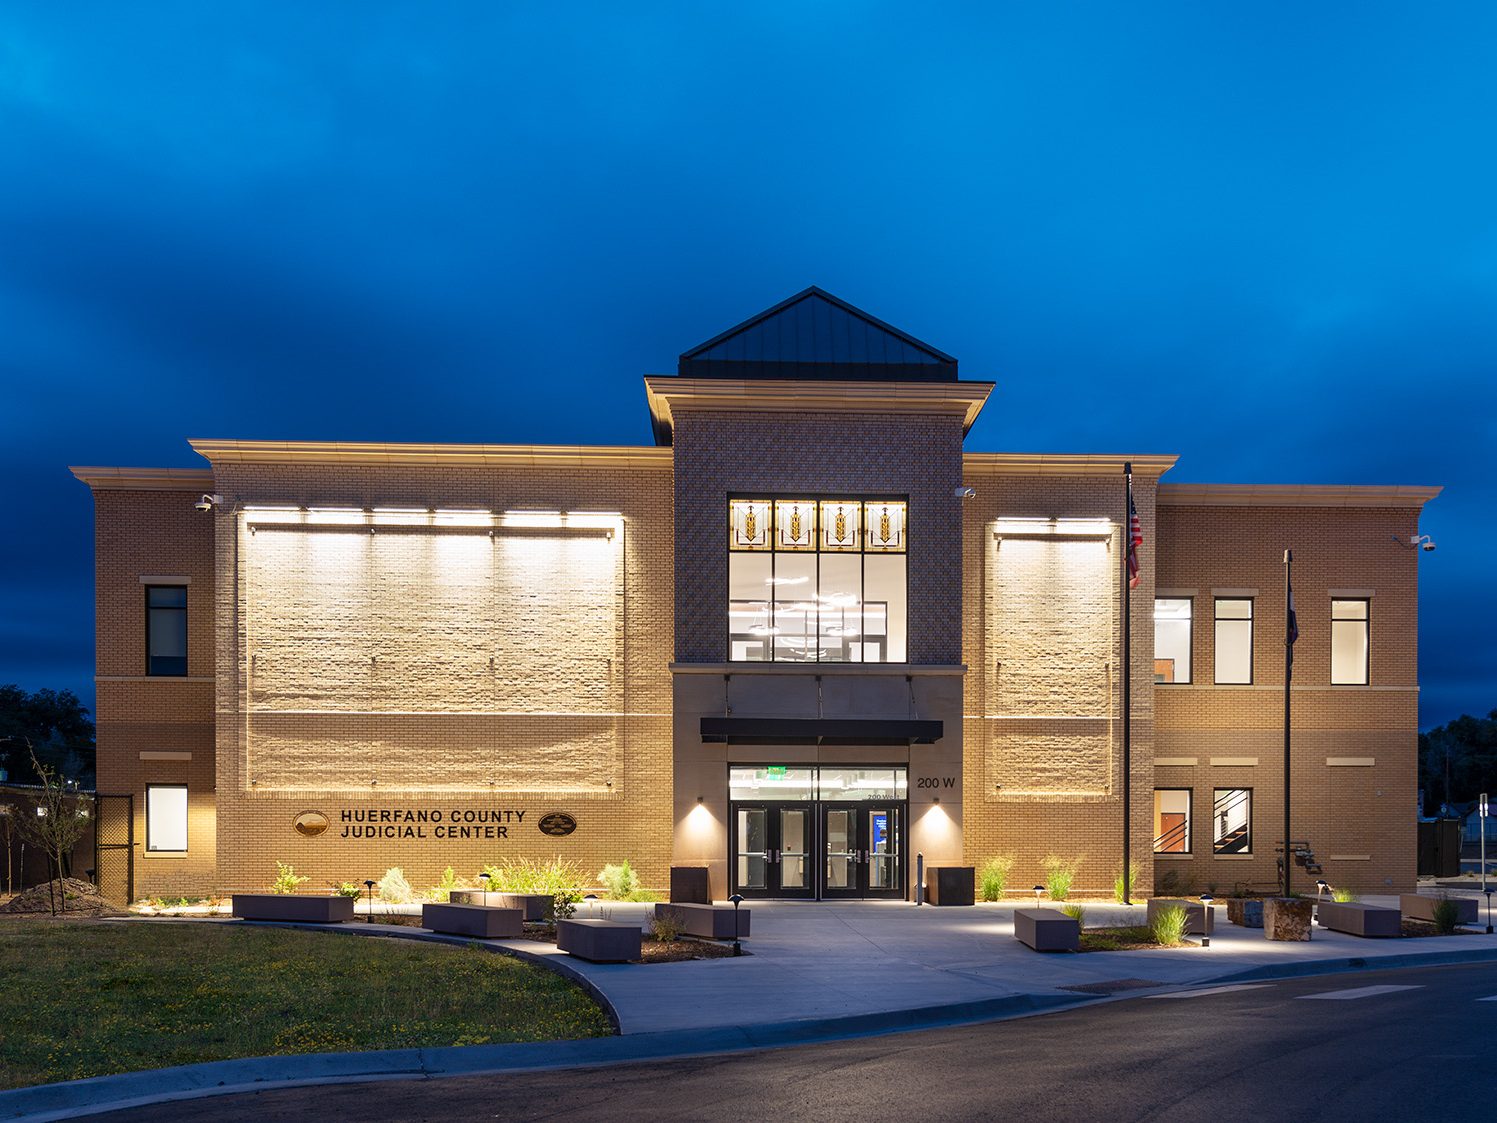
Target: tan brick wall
<point>156,533</point>
<point>1359,819</point>
<point>357,677</point>
<point>1043,648</point>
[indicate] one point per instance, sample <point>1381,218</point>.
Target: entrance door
<point>771,846</point>
<point>862,850</point>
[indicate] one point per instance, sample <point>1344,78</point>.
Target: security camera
<point>964,493</point>
<point>1423,541</point>
<point>208,502</point>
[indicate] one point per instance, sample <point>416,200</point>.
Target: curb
<point>257,1074</point>
<point>1356,963</point>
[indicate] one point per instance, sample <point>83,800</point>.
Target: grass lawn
<point>86,998</point>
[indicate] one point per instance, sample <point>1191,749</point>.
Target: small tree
<point>55,821</point>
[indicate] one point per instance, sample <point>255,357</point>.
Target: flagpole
<point>1127,684</point>
<point>1288,674</point>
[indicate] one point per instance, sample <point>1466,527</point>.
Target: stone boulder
<point>1287,918</point>
<point>1245,912</point>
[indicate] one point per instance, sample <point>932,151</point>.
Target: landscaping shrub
<point>994,877</point>
<point>665,928</point>
<point>286,880</point>
<point>557,879</point>
<point>1060,874</point>
<point>394,889</point>
<point>1076,913</point>
<point>1344,896</point>
<point>350,889</point>
<point>623,883</point>
<point>1447,916</point>
<point>1172,883</point>
<point>1168,926</point>
<point>1122,892</point>
<point>442,891</point>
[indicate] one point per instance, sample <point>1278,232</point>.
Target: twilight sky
<point>1262,237</point>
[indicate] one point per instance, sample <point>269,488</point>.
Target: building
<point>804,640</point>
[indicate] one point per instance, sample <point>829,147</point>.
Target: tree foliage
<point>55,822</point>
<point>1458,760</point>
<point>56,725</point>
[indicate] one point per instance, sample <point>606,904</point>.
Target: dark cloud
<point>1263,243</point>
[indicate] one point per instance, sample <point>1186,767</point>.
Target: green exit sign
<point>775,772</point>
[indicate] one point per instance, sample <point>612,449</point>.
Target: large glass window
<point>166,629</point>
<point>166,817</point>
<point>1349,620</point>
<point>1232,821</point>
<point>1172,820</point>
<point>817,580</point>
<point>1172,639</point>
<point>1234,639</point>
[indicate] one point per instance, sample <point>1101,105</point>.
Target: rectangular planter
<point>599,941</point>
<point>950,885</point>
<point>288,906</point>
<point>689,886</point>
<point>1416,906</point>
<point>1287,918</point>
<point>482,921</point>
<point>1047,930</point>
<point>711,922</point>
<point>1359,920</point>
<point>534,906</point>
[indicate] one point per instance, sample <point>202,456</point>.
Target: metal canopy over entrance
<point>817,832</point>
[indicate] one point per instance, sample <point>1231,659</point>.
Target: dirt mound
<point>81,899</point>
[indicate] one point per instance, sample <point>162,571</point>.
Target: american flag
<point>1135,539</point>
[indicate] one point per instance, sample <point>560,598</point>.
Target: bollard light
<point>737,899</point>
<point>369,886</point>
<point>1206,901</point>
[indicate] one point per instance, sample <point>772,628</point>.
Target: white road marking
<point>1211,990</point>
<point>1493,998</point>
<point>1358,992</point>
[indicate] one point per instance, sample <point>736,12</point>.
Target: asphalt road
<point>1336,1047</point>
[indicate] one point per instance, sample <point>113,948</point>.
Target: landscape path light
<point>484,877</point>
<point>737,899</point>
<point>1206,917</point>
<point>369,885</point>
<point>1038,889</point>
<point>1489,912</point>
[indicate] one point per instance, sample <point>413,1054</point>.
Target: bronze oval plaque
<point>558,824</point>
<point>311,823</point>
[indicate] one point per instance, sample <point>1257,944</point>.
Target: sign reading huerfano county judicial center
<point>401,822</point>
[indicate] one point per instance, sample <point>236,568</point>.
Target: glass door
<point>771,848</point>
<point>862,850</point>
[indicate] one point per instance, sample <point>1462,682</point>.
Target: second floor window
<point>166,629</point>
<point>1234,640</point>
<point>1172,639</point>
<point>817,580</point>
<point>1349,647</point>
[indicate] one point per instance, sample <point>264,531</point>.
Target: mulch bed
<point>679,950</point>
<point>1128,938</point>
<point>1424,928</point>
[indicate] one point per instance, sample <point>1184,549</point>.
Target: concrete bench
<point>1417,907</point>
<point>950,885</point>
<point>711,922</point>
<point>534,906</point>
<point>288,906</point>
<point>1047,930</point>
<point>481,921</point>
<point>600,941</point>
<point>1195,914</point>
<point>1357,919</point>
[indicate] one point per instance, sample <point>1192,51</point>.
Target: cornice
<point>669,394</point>
<point>434,455</point>
<point>1294,495</point>
<point>1148,466</point>
<point>145,479</point>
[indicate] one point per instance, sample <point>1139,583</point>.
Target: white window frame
<point>1366,621</point>
<point>152,815</point>
<point>1217,620</point>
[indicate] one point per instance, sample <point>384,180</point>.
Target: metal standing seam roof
<point>814,335</point>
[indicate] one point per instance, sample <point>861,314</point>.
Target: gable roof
<point>814,335</point>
